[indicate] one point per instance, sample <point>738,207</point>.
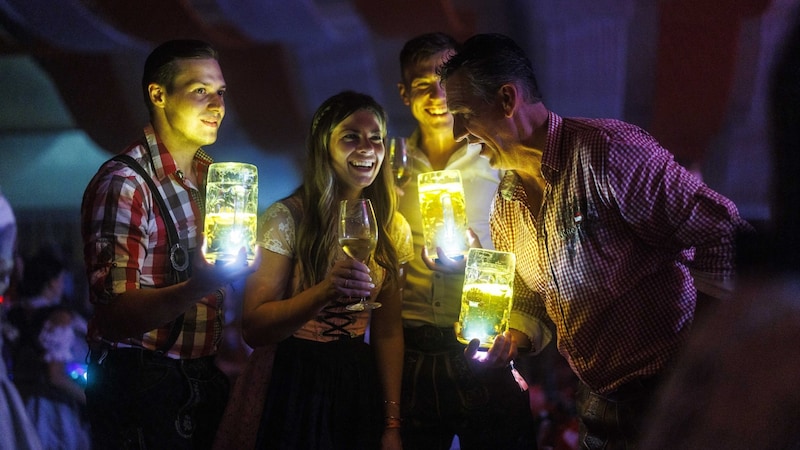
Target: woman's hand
<point>351,278</point>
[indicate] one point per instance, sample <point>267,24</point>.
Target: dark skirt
<point>322,396</point>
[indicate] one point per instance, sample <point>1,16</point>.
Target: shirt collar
<point>510,187</point>
<point>550,157</point>
<point>164,163</point>
<point>466,149</point>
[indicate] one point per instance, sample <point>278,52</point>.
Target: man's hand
<point>500,354</point>
<point>137,311</point>
<point>445,264</point>
<point>208,277</point>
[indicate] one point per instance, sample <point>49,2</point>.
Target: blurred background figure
<point>735,387</point>
<point>42,356</point>
<point>16,430</point>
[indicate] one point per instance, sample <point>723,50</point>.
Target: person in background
<point>331,386</point>
<point>157,302</point>
<point>54,400</point>
<point>16,430</point>
<point>734,386</point>
<point>442,395</point>
<point>616,244</point>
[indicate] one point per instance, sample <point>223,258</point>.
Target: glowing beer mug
<point>444,212</point>
<point>231,211</point>
<point>486,297</point>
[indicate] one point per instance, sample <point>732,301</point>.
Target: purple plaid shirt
<point>608,257</point>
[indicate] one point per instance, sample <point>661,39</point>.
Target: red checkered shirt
<point>126,246</point>
<point>608,257</point>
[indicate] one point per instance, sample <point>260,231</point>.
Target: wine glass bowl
<point>401,166</point>
<point>358,236</point>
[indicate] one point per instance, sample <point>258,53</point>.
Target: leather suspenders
<point>178,256</point>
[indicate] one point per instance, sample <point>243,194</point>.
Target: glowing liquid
<point>228,232</point>
<point>357,248</point>
<point>444,218</point>
<point>231,211</point>
<point>401,176</point>
<point>484,312</point>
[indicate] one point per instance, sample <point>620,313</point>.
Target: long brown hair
<point>317,233</point>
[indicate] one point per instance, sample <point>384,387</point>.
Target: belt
<point>637,387</point>
<point>642,387</point>
<point>135,357</point>
<point>429,338</point>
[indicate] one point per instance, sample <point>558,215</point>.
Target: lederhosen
<point>140,398</point>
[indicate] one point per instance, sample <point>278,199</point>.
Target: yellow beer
<point>231,211</point>
<point>444,212</point>
<point>484,312</point>
<point>487,295</point>
<point>226,233</point>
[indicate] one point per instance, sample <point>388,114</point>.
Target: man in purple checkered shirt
<point>616,243</point>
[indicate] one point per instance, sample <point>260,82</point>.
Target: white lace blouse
<point>334,321</point>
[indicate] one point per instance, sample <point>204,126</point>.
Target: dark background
<point>692,72</point>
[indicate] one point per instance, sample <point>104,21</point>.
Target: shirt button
<point>437,304</point>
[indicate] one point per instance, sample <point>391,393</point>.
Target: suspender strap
<point>179,258</point>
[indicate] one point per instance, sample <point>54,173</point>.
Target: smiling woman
<point>295,306</point>
<point>357,151</point>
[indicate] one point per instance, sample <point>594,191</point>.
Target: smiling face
<point>189,112</point>
<point>422,92</point>
<point>357,151</point>
<point>476,120</point>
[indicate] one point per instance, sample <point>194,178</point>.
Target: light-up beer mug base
<point>482,352</point>
<point>227,261</point>
<point>454,258</point>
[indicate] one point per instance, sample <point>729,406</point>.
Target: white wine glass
<point>401,166</point>
<point>358,236</point>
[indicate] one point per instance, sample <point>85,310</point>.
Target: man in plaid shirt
<point>617,246</point>
<point>157,302</point>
